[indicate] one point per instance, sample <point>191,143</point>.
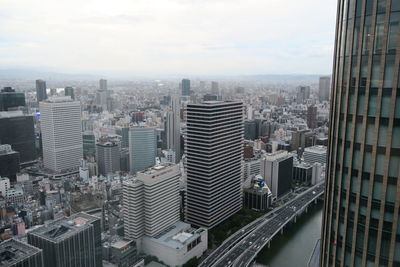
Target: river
<point>295,246</point>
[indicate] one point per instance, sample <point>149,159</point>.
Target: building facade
<point>9,162</point>
<point>324,88</point>
<point>41,93</point>
<point>9,99</point>
<point>142,148</point>
<point>186,87</point>
<point>61,133</point>
<point>361,223</point>
<point>277,171</point>
<point>174,128</point>
<point>151,201</point>
<point>214,152</point>
<point>17,253</point>
<point>18,131</point>
<point>70,241</point>
<point>108,157</point>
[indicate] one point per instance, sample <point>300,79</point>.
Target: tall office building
<point>324,88</point>
<point>17,130</point>
<point>108,157</point>
<point>61,133</point>
<point>151,201</point>
<point>303,93</point>
<point>9,99</point>
<point>17,253</point>
<point>277,171</point>
<point>214,88</point>
<point>361,222</point>
<point>174,128</point>
<point>142,148</point>
<point>214,151</point>
<point>312,112</point>
<point>70,241</point>
<point>69,91</point>
<point>9,162</point>
<point>185,87</point>
<point>41,93</point>
<point>89,144</point>
<point>103,84</point>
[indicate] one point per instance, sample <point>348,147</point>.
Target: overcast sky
<point>146,37</point>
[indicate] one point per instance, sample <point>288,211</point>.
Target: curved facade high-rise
<point>361,224</point>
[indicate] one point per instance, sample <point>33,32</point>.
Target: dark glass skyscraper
<point>18,131</point>
<point>186,87</point>
<point>41,93</point>
<point>361,224</point>
<point>9,99</point>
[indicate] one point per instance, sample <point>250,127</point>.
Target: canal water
<point>295,246</point>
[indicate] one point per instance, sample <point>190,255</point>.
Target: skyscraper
<point>41,93</point>
<point>9,99</point>
<point>151,201</point>
<point>324,88</point>
<point>108,157</point>
<point>361,223</point>
<point>103,84</point>
<point>70,241</point>
<point>61,133</point>
<point>142,147</point>
<point>89,144</point>
<point>303,93</point>
<point>9,162</point>
<point>276,169</point>
<point>214,150</point>
<point>174,128</point>
<point>18,253</point>
<point>69,91</point>
<point>312,112</point>
<point>17,130</point>
<point>186,87</point>
<point>214,88</point>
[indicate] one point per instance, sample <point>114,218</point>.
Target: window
<point>377,194</point>
<point>367,34</point>
<point>389,71</point>
<point>391,193</point>
<point>372,102</point>
<point>395,139</point>
<point>380,164</point>
<point>394,165</point>
<point>382,135</point>
<point>393,32</point>
<point>379,33</point>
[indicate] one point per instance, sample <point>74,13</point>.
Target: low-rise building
<point>177,244</point>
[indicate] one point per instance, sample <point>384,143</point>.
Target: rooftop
<point>316,149</point>
<point>65,227</point>
<point>177,236</point>
<point>13,251</point>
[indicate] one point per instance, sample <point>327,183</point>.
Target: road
<point>242,247</point>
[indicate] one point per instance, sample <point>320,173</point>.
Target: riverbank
<point>295,246</point>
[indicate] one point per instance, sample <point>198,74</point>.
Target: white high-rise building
<point>151,201</point>
<point>277,171</point>
<point>142,148</point>
<point>214,153</point>
<point>4,186</point>
<point>315,154</point>
<point>174,128</point>
<point>61,133</point>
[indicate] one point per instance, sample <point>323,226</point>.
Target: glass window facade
<point>372,98</point>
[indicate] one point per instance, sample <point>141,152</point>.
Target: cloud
<point>170,37</point>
